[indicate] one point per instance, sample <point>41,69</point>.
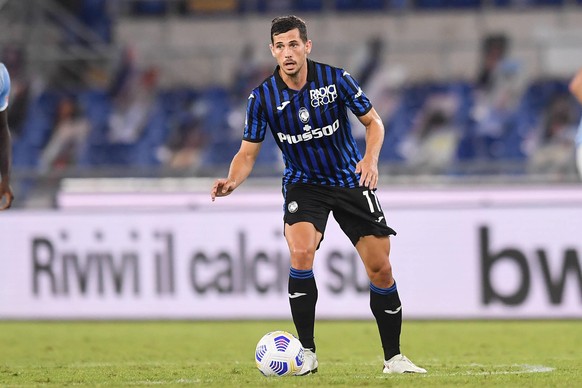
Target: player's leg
<point>303,240</point>
<point>306,213</point>
<point>362,220</point>
<point>385,302</point>
<point>384,299</point>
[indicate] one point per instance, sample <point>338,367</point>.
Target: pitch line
<point>523,369</point>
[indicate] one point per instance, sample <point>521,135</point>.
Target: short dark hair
<point>283,24</point>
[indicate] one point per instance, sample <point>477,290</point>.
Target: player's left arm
<point>368,166</point>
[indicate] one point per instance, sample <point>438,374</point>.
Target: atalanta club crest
<point>292,207</point>
<point>303,115</point>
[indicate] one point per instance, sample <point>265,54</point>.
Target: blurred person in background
<point>576,89</point>
<point>305,104</point>
<point>430,148</point>
<point>68,139</point>
<point>499,86</point>
<point>553,148</point>
<point>6,195</point>
<point>132,106</point>
<point>382,81</point>
<point>373,58</point>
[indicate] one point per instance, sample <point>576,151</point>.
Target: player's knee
<point>302,254</point>
<point>381,273</point>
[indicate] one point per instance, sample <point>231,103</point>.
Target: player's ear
<point>308,45</point>
<point>272,49</point>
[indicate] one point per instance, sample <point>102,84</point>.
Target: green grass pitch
<point>184,353</point>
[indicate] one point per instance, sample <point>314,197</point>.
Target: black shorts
<point>356,210</point>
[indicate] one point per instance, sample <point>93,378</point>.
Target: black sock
<point>387,309</point>
<point>302,299</point>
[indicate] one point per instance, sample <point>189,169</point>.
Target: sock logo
<point>296,295</point>
<point>393,311</point>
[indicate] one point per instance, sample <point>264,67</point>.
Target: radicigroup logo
<point>323,96</point>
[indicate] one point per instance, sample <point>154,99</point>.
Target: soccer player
<point>304,103</point>
<point>576,89</point>
<point>6,195</point>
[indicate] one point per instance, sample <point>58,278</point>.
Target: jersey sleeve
<point>255,123</point>
<point>4,87</point>
<point>352,94</point>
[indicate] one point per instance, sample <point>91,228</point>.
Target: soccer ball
<point>279,353</point>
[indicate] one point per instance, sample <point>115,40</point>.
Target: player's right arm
<point>576,90</point>
<point>576,86</point>
<point>240,168</point>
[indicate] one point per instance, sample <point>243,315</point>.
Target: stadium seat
<point>36,129</point>
<point>149,7</point>
<point>308,5</point>
<point>357,5</point>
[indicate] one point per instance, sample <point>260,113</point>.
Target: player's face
<point>290,51</point>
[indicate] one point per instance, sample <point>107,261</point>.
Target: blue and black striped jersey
<point>310,126</point>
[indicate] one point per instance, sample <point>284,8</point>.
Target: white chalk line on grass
<point>469,370</point>
<point>502,369</point>
<point>148,382</point>
<point>521,369</point>
<point>491,370</point>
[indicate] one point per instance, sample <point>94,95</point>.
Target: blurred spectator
<point>132,106</point>
<point>430,148</point>
<point>124,71</point>
<point>373,58</point>
<point>553,149</point>
<point>185,144</point>
<point>383,83</point>
<point>68,139</point>
<point>499,86</point>
<point>494,50</point>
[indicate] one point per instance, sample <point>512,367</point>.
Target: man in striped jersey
<point>6,195</point>
<point>304,103</point>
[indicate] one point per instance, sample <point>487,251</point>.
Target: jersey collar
<point>310,75</point>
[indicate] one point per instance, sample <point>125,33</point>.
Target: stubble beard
<point>294,74</point>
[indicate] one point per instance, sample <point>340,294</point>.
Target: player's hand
<point>368,170</point>
<point>6,196</point>
<point>222,188</point>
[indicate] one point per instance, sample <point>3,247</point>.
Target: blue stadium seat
<point>308,5</point>
<point>360,5</point>
<point>149,7</point>
<point>154,135</point>
<point>36,129</point>
<point>398,127</point>
<point>219,153</point>
<point>528,115</point>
